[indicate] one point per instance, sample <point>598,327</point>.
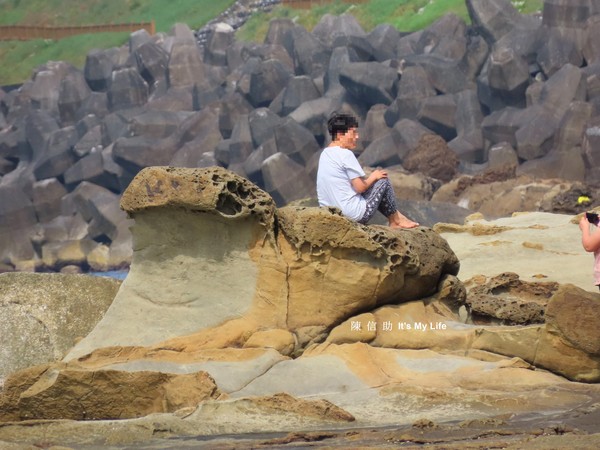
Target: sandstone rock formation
<point>298,269</point>
<point>259,109</point>
<point>42,316</point>
<point>325,318</point>
<point>507,300</point>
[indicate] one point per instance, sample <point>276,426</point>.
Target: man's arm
<point>360,184</point>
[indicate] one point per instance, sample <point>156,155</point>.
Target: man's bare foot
<point>404,224</point>
<point>397,220</point>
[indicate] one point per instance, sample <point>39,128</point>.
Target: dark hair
<point>340,123</point>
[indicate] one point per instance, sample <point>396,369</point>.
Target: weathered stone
<point>39,127</point>
<point>592,73</point>
<point>185,65</point>
<point>66,227</point>
<point>240,144</point>
<point>137,39</point>
<point>572,126</point>
<point>375,125</point>
<point>468,119</point>
<point>127,90</point>
<point>524,42</point>
<point>502,154</point>
<point>433,158</point>
<point>100,208</point>
<point>331,27</point>
<point>310,55</point>
<point>298,90</point>
<point>393,148</point>
<point>99,65</point>
<point>46,198</point>
<point>286,180</point>
<point>565,14</point>
<point>58,156</point>
<point>89,168</point>
<point>199,152</point>
<point>219,200</point>
<point>495,18</point>
<point>591,149</point>
<point>152,63</point>
<point>52,310</point>
<point>295,141</point>
<point>114,174</point>
<point>156,124</point>
<point>535,137</point>
<point>382,151</point>
<point>96,103</point>
<point>557,51</point>
<point>253,164</point>
<point>45,90</point>
<point>445,75</point>
<point>138,152</point>
<point>340,56</point>
<point>591,48</point>
<point>73,92</point>
<point>567,164</point>
<point>501,126</point>
<point>414,86</point>
<point>370,82</point>
<point>18,219</point>
<point>262,123</point>
<point>507,300</point>
<point>91,140</point>
<point>507,73</point>
<point>572,313</point>
<point>220,37</point>
<point>313,115</point>
<point>266,81</point>
<point>358,45</point>
<point>107,394</point>
<point>182,33</point>
<point>56,255</point>
<point>566,85</point>
<point>383,39</point>
<point>438,114</point>
<point>446,37</point>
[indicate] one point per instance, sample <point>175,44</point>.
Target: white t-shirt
<point>337,166</point>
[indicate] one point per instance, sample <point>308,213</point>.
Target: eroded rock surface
<point>232,260</point>
<point>42,316</point>
<point>231,302</point>
<point>505,299</point>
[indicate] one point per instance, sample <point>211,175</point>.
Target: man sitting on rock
<point>341,180</point>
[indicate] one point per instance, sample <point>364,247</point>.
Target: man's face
<point>350,138</point>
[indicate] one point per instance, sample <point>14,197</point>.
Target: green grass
<point>405,15</point>
<point>18,59</point>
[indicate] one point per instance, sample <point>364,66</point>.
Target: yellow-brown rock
<point>61,392</point>
<point>214,262</point>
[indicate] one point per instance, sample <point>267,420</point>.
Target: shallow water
<point>117,274</point>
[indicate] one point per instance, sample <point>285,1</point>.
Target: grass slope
<point>405,15</point>
<point>18,59</point>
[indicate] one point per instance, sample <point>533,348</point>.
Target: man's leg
<point>388,208</point>
<point>380,196</point>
